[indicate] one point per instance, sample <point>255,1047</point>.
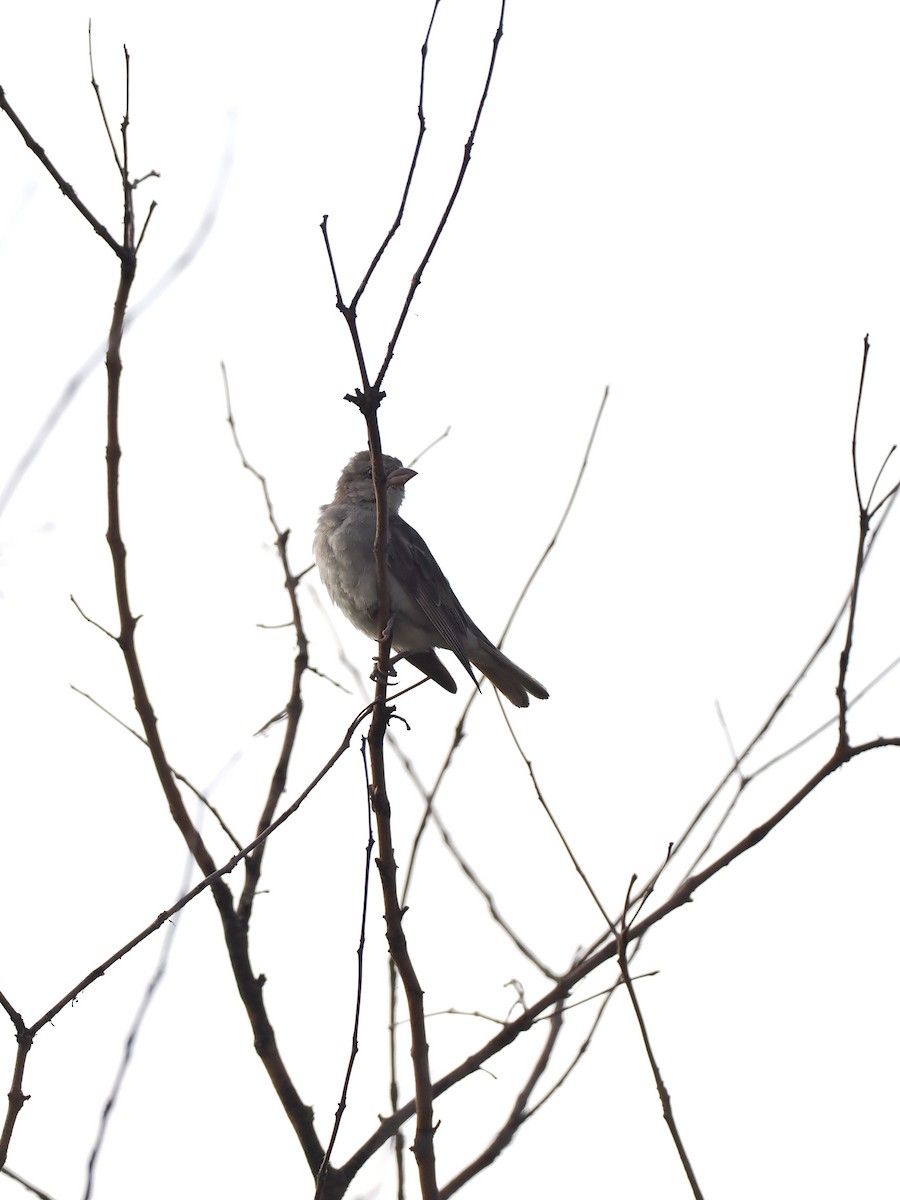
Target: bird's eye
<point>369,473</point>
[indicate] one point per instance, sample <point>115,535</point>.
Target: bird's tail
<point>512,681</point>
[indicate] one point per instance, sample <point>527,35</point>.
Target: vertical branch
<point>859,396</point>
<point>519,1114</point>
<point>662,1091</point>
<point>324,1170</point>
<point>423,1145</point>
<point>863,511</point>
<point>15,1097</point>
<point>368,399</point>
<point>235,930</point>
<point>127,619</point>
<point>364,282</point>
<point>399,1139</point>
<point>867,510</point>
<point>348,312</point>
<point>464,166</point>
<point>294,706</point>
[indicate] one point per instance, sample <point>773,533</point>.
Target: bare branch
<point>322,1175</point>
<point>460,725</point>
<point>488,897</point>
<point>204,800</point>
<point>423,1145</point>
<point>562,520</point>
<point>421,454</point>
<point>776,710</point>
<point>66,188</point>
<point>131,1039</point>
<point>368,400</point>
<point>29,1187</point>
<point>15,1096</point>
<point>556,827</point>
<point>409,178</point>
<point>91,621</point>
<point>467,155</point>
<point>294,708</point>
<point>95,85</point>
<point>862,380</point>
<point>661,1088</point>
<point>519,1113</point>
<point>201,887</point>
<point>136,310</point>
<point>682,895</point>
<point>865,519</point>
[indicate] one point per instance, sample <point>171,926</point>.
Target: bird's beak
<point>400,477</point>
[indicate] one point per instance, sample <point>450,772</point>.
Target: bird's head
<point>355,485</point>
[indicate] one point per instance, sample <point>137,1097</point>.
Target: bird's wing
<point>429,664</point>
<point>414,566</point>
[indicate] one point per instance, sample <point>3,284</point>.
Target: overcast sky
<point>694,205</point>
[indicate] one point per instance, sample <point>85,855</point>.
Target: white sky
<point>694,204</point>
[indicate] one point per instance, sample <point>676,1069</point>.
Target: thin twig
<point>662,1090</point>
<point>368,399</point>
<point>889,497</point>
<point>416,457</point>
<point>587,965</point>
<point>91,621</point>
<point>300,1115</point>
<point>134,1031</point>
<point>360,957</point>
<point>570,1006</point>
<point>204,800</point>
<point>488,897</point>
<point>582,874</point>
<point>66,188</point>
<point>865,518</point>
<point>777,708</point>
<point>825,725</point>
<point>430,812</point>
<point>518,1115</point>
<point>580,1052</point>
<point>294,707</point>
<point>127,620</point>
<point>467,155</point>
<point>30,1187</point>
<point>746,780</point>
<point>175,269</point>
<point>376,258</point>
<point>205,883</point>
<point>150,211</point>
<point>562,520</point>
<point>859,396</point>
<point>458,731</point>
<point>112,141</point>
<point>736,762</point>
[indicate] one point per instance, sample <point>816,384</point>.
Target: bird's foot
<point>378,674</point>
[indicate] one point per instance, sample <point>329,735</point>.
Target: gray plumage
<point>426,613</point>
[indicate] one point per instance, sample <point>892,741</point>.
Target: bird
<point>425,613</point>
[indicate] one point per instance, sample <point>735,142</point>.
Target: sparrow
<point>425,613</point>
